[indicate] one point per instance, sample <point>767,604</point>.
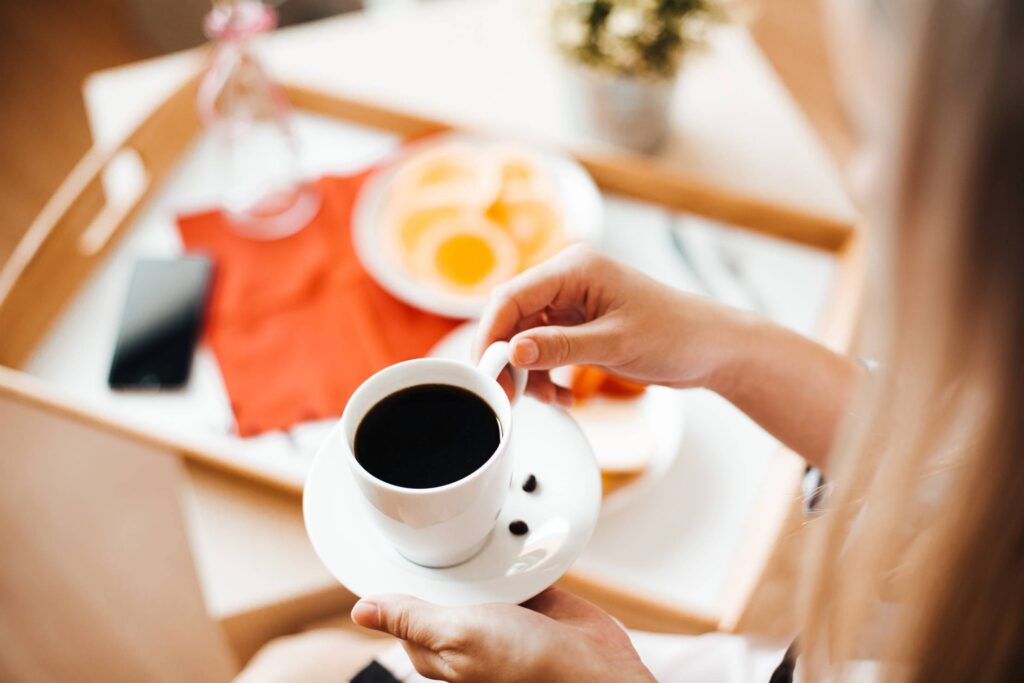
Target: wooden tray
<point>78,227</point>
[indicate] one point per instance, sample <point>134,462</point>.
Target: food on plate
<point>417,220</point>
<point>622,436</point>
<point>468,217</point>
<point>441,174</point>
<point>588,381</point>
<point>613,481</point>
<point>533,222</point>
<point>614,422</point>
<point>466,253</point>
<point>520,172</point>
<point>614,385</point>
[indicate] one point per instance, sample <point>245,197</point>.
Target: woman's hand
<point>583,308</point>
<point>556,636</point>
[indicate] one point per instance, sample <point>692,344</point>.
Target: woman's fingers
<point>561,605</point>
<point>544,348</point>
<point>557,281</point>
<point>540,386</point>
<point>504,378</point>
<point>432,635</point>
<point>404,617</point>
<point>509,304</point>
<point>429,663</point>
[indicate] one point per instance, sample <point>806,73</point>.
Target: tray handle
<point>78,225</point>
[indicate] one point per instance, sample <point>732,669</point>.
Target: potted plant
<point>625,55</point>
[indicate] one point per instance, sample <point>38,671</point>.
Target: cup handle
<point>495,358</point>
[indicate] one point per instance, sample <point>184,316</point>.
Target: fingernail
<point>366,613</point>
<point>525,351</point>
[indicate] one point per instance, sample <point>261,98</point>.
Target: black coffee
<point>427,435</point>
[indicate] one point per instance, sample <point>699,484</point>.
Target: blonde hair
<point>926,523</point>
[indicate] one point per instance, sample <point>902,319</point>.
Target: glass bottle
<point>257,172</point>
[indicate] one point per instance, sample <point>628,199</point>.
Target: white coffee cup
<point>444,525</point>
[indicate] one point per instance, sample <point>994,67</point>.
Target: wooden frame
<point>78,225</point>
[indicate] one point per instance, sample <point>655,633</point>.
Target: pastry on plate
<point>610,412</point>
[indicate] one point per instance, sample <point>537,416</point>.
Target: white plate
<point>660,423</point>
<point>581,207</point>
<point>561,514</point>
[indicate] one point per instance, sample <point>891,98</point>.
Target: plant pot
<point>625,111</point>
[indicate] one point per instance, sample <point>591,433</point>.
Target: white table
<point>484,64</point>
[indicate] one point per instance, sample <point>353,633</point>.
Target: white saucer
<point>655,421</point>
<point>581,202</point>
<point>561,514</point>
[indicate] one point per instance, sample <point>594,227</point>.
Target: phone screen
<point>162,318</point>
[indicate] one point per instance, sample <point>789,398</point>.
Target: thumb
<point>544,348</point>
<point>403,616</point>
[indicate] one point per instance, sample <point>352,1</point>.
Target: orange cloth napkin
<point>296,323</point>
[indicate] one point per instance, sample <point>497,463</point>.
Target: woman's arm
<point>795,388</point>
<point>582,307</point>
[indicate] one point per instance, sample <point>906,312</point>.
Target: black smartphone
<point>160,324</point>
